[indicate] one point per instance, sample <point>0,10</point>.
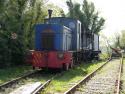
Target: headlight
<point>60,55</point>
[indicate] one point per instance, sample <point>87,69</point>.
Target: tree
<point>122,39</point>
<point>18,17</point>
<point>74,11</point>
<point>89,17</point>
<point>17,21</point>
<point>57,11</point>
<point>116,42</point>
<point>105,45</point>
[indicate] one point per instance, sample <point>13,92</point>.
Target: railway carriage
<point>59,43</point>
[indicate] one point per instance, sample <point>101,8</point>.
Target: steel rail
<point>39,89</point>
<point>9,83</point>
<point>43,86</point>
<point>85,79</point>
<point>117,91</point>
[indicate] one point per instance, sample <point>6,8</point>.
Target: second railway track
<point>31,83</point>
<point>105,80</point>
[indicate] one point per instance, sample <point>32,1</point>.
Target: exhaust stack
<point>50,13</point>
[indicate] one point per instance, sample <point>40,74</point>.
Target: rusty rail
<point>85,79</point>
<point>41,87</point>
<point>9,83</point>
<point>117,91</point>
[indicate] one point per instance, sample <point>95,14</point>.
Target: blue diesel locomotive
<point>59,43</point>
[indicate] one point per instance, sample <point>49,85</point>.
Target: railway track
<point>104,80</point>
<point>43,86</point>
<point>31,83</point>
<point>9,83</point>
<point>122,88</point>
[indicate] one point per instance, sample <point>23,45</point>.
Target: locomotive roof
<point>62,18</point>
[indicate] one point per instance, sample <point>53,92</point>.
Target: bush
<point>103,56</point>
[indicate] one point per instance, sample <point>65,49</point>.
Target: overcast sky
<point>112,10</point>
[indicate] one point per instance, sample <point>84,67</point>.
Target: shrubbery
<point>18,17</point>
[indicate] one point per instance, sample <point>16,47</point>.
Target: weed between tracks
<point>62,83</point>
<point>12,73</point>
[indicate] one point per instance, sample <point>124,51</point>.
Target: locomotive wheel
<point>71,65</point>
<point>33,68</point>
<point>65,67</point>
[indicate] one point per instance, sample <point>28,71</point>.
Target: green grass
<point>12,72</point>
<point>62,83</point>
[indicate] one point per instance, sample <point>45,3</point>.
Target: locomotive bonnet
<point>66,34</point>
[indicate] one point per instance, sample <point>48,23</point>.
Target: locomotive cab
<point>74,25</point>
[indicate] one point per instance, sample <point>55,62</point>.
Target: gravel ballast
<point>104,80</point>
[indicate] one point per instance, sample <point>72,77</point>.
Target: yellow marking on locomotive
<point>37,57</point>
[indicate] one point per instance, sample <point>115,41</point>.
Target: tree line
<point>87,14</point>
<point>17,19</point>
